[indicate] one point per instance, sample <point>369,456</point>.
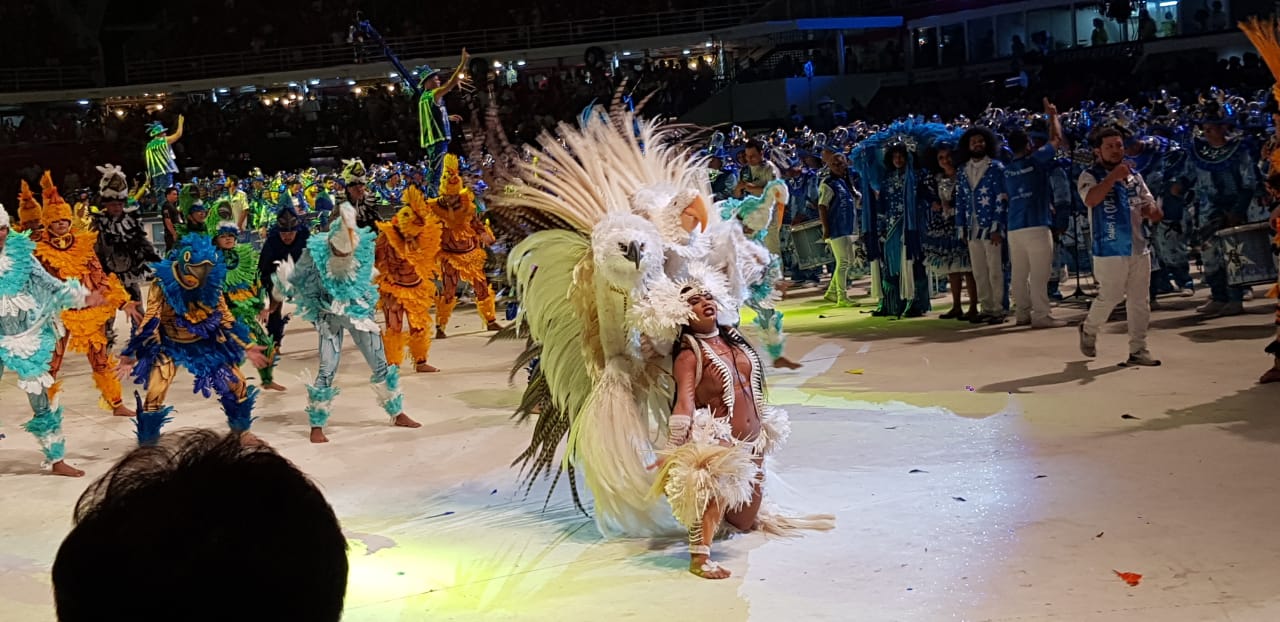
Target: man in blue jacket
<point>982,218</point>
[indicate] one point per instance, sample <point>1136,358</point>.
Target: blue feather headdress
<point>867,158</point>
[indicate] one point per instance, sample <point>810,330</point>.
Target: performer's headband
<point>692,290</point>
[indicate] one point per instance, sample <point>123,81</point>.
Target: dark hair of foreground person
<point>199,528</point>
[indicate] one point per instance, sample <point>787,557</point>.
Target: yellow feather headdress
<point>55,208</point>
<point>29,209</point>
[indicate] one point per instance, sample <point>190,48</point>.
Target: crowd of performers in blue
<point>921,201</point>
<point>915,199</point>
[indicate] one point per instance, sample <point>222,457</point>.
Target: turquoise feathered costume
<point>31,303</point>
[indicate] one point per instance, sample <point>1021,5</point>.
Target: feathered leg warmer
<point>487,306</point>
<point>419,346</point>
<point>263,338</point>
<point>393,342</point>
<point>444,311</point>
<point>239,410</point>
<point>46,425</point>
<point>319,402</point>
<point>770,323</point>
<point>149,422</point>
<point>108,385</point>
<point>390,397</point>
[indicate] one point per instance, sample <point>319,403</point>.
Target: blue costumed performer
<point>188,323</point>
<point>333,286</point>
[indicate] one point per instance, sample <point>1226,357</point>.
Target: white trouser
<point>842,251</point>
<point>1031,259</point>
<point>988,271</point>
<point>1127,279</point>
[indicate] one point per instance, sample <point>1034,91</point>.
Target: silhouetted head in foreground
<point>199,528</point>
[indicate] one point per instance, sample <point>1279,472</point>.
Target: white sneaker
<point>1248,294</point>
<point>1187,292</point>
<point>1212,307</point>
<point>1232,308</point>
<point>1049,323</point>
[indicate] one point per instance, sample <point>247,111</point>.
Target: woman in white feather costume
<point>720,432</point>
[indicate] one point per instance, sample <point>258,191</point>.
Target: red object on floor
<point>1132,578</point>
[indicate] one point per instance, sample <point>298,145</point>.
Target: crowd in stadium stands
<point>235,134</point>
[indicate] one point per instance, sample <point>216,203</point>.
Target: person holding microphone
<point>1120,210</point>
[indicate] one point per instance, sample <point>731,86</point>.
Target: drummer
<point>1224,187</point>
<point>800,209</point>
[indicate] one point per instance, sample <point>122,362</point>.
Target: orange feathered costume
<point>72,256</point>
<point>406,259</point>
<point>462,252</point>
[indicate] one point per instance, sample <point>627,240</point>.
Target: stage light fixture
<point>520,63</point>
<point>83,102</point>
<point>685,52</point>
<point>626,53</point>
<point>313,82</point>
<point>351,82</point>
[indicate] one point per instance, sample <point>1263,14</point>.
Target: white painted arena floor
<point>978,473</point>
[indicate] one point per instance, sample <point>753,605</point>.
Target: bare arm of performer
<point>455,79</point>
<point>1055,124</point>
<point>173,138</point>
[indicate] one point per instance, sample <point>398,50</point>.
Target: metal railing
<point>478,42</point>
<point>13,80</point>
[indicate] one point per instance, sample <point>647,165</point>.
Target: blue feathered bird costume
<point>188,324</point>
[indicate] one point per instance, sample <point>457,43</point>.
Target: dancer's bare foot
<point>702,566</point>
<point>317,435</point>
<point>249,439</point>
<point>403,421</point>
<point>440,334</point>
<point>424,368</point>
<point>783,362</point>
<point>122,411</point>
<point>493,325</point>
<point>273,386</point>
<point>62,468</point>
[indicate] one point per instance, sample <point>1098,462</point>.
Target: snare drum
<point>811,250</point>
<point>1247,250</point>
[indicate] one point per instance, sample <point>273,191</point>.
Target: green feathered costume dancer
<point>244,294</point>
